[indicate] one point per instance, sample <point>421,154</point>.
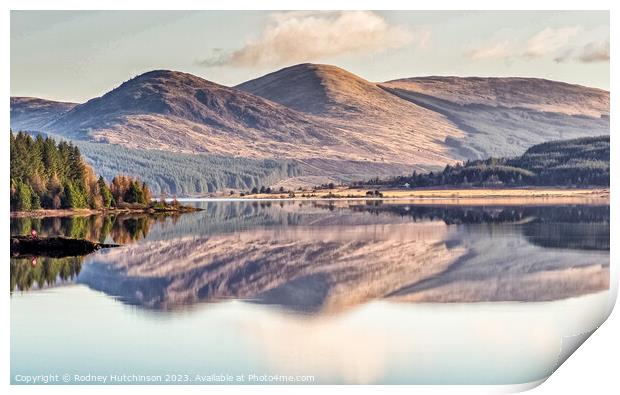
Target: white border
<point>593,368</point>
<point>310,5</point>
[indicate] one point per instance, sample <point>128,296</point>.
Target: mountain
<point>31,113</point>
<point>531,93</point>
<point>402,131</point>
<point>326,122</point>
<point>506,116</point>
<point>326,91</point>
<point>468,118</point>
<point>180,112</point>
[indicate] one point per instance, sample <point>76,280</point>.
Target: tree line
<point>182,174</point>
<point>577,162</point>
<point>51,175</point>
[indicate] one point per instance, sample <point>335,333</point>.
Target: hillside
<point>363,112</point>
<point>180,174</point>
<point>31,113</point>
<point>326,90</point>
<point>332,125</point>
<point>578,163</point>
<point>505,116</point>
<point>180,112</point>
<point>530,93</point>
<point>492,116</point>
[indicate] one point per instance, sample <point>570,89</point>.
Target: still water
<point>315,292</point>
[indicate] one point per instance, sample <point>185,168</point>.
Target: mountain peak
<point>168,79</point>
<point>312,88</point>
<point>316,68</point>
<point>166,92</point>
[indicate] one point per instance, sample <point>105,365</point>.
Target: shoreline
<point>460,196</point>
<point>86,212</point>
<point>442,195</point>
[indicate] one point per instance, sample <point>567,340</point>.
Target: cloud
<point>499,50</point>
<point>594,51</point>
<point>294,37</point>
<point>548,41</point>
<point>563,44</point>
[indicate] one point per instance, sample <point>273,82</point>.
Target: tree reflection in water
<point>39,272</point>
<point>119,229</point>
<point>328,256</point>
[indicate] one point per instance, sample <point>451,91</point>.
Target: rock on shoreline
<point>56,247</point>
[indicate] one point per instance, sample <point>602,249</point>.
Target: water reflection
<point>334,290</point>
<point>42,272</point>
<point>321,258</point>
<point>120,229</point>
<point>36,272</point>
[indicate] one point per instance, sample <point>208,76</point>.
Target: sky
<point>77,55</point>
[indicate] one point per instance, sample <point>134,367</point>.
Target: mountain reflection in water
<point>320,257</point>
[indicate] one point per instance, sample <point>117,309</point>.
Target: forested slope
<point>572,163</point>
<point>186,174</point>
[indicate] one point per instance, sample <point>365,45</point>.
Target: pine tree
<point>22,199</point>
<point>55,175</point>
<point>74,198</point>
<point>134,193</point>
<point>104,190</point>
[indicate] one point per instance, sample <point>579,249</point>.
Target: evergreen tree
<point>50,175</point>
<point>134,193</point>
<point>23,196</point>
<point>104,190</point>
<point>73,197</point>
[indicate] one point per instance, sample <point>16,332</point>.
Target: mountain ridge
<point>32,112</point>
<point>335,124</point>
<point>532,93</point>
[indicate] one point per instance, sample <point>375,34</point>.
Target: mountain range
<point>328,123</point>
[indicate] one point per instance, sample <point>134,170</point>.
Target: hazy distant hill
<point>505,116</point>
<point>332,124</point>
<point>30,113</point>
<point>531,93</point>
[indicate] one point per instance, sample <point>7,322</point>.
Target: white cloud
<point>548,41</point>
<point>593,51</point>
<point>561,44</point>
<point>498,50</point>
<point>294,37</point>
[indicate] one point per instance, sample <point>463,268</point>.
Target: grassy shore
<point>84,212</point>
<point>453,196</point>
<point>473,196</point>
